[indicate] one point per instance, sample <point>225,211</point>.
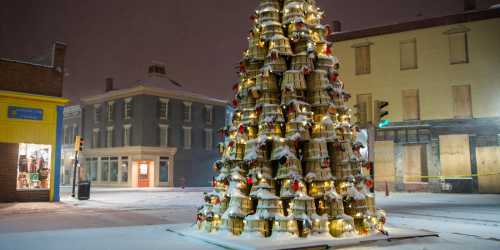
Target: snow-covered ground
<point>135,219</point>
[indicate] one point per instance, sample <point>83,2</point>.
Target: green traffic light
<point>384,123</point>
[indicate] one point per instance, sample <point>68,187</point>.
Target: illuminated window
<point>95,138</point>
<point>111,111</point>
<point>33,170</point>
<point>109,137</point>
<point>127,130</point>
<point>163,135</point>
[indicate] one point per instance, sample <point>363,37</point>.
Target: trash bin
<point>84,190</point>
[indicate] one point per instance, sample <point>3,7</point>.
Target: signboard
<point>25,113</point>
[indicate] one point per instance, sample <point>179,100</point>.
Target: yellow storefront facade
<point>30,142</point>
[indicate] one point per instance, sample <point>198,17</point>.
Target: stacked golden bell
<point>289,164</point>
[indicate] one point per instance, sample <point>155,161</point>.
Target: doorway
<point>144,170</point>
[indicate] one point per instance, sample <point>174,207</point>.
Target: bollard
<point>386,189</point>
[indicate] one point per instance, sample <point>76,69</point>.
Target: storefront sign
<point>25,113</point>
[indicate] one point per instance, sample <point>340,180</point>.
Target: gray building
<point>148,136</point>
<point>72,125</point>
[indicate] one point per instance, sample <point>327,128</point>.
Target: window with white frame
<point>111,111</point>
<point>163,135</point>
<point>187,111</point>
<point>163,108</point>
<point>109,137</point>
<point>187,137</point>
<point>95,138</point>
<point>97,113</point>
<point>127,129</point>
<point>208,139</point>
<point>209,114</point>
<point>127,109</point>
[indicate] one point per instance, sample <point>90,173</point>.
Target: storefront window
<point>33,171</point>
<point>114,169</point>
<point>104,169</point>
<point>124,167</point>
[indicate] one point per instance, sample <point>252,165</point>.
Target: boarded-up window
<point>362,58</point>
<point>415,163</point>
<point>384,161</point>
<point>454,155</point>
<point>408,51</point>
<point>462,107</point>
<point>364,108</point>
<point>488,163</point>
<point>458,48</point>
<point>411,105</point>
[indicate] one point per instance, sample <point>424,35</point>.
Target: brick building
<point>31,110</point>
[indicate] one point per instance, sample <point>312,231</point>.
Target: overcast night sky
<point>199,40</point>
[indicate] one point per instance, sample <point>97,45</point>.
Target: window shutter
<point>364,102</point>
<point>462,101</point>
<point>408,54</point>
<point>458,48</point>
<point>362,57</point>
<point>411,109</point>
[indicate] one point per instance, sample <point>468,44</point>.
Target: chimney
<point>336,26</point>
<point>58,53</point>
<point>109,84</point>
<point>469,5</point>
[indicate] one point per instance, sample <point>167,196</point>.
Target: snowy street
<point>133,219</point>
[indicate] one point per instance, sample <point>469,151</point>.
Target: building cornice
<point>149,90</point>
<point>134,150</point>
<point>464,17</point>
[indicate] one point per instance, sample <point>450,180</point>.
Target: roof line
<point>463,17</point>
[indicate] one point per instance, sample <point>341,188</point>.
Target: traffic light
<point>380,113</point>
<point>79,143</point>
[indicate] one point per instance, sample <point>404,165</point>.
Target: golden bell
<point>342,171</point>
<point>268,13</point>
<point>233,224</point>
<point>341,152</point>
<point>303,46</point>
<point>318,188</point>
<point>285,225</point>
<point>299,110</point>
<point>234,150</point>
<point>355,204</point>
<point>271,29</point>
<point>302,62</point>
<point>318,33</point>
<point>239,206</point>
<point>340,226</point>
<point>289,169</point>
<point>247,102</point>
<point>256,49</point>
<point>316,149</point>
<point>320,224</point>
<point>280,45</point>
<point>256,225</point>
<point>324,128</point>
<point>260,181</point>
<point>269,205</point>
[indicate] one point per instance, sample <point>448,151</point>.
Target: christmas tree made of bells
<point>289,164</point>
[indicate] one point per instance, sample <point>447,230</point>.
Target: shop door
<point>414,163</point>
<point>488,168</point>
<point>143,175</point>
